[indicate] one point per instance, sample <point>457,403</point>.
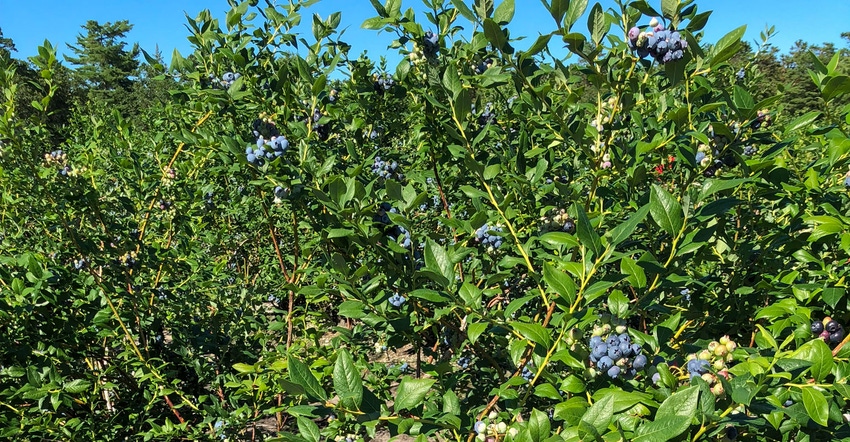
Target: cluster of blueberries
<point>270,143</point>
<point>281,193</point>
<point>697,367</point>
<point>397,300</point>
<point>80,264</point>
<point>322,130</point>
<point>661,44</point>
<point>485,235</point>
<point>829,330</point>
<point>431,46</point>
<point>386,169</point>
<point>616,355</point>
<point>483,66</point>
<point>266,150</point>
<point>227,79</point>
<point>486,117</point>
<point>382,84</point>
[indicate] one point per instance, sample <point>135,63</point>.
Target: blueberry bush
<point>481,243</point>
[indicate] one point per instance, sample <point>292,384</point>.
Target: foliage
<point>435,247</point>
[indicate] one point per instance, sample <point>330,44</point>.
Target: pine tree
<point>104,66</point>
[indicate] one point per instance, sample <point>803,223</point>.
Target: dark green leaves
<point>300,374</point>
<point>816,406</point>
<point>674,416</point>
<point>665,210</point>
<point>411,392</point>
<point>347,383</point>
<point>597,24</point>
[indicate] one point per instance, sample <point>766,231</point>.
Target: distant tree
<point>104,66</point>
<point>6,45</point>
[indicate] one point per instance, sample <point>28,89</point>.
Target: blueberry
<point>817,327</point>
<point>838,336</point>
<point>614,372</point>
<point>639,363</point>
<point>832,326</point>
<point>605,363</point>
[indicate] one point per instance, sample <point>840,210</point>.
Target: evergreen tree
<point>6,45</point>
<point>104,66</point>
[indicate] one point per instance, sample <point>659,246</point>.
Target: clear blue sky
<point>161,22</point>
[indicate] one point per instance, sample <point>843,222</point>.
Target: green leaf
<point>665,210</point>
<point>674,416</point>
<point>533,332</point>
<point>347,382</point>
<point>474,331</point>
<point>635,273</point>
<point>818,353</point>
<point>618,304</point>
<point>300,374</point>
<point>451,80</point>
<point>623,231</point>
<point>836,87</point>
<point>575,10</point>
<point>801,122</point>
<point>308,429</point>
<point>494,33</point>
<point>600,414</point>
<point>539,425</point>
<point>560,281</point>
<point>596,23</point>
<point>727,46</point>
<point>76,386</point>
<point>505,12</point>
<point>584,230</point>
<point>464,10</point>
<point>832,295</point>
<point>411,392</point>
<point>437,260</point>
<point>816,406</point>
<point>669,8</point>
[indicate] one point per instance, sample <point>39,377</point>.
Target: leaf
<point>347,382</point>
<point>411,392</point>
<point>596,23</point>
<point>451,80</point>
<point>494,33</point>
<point>584,230</point>
<point>802,121</point>
<point>474,331</point>
<point>674,416</point>
<point>669,8</point>
<point>635,273</point>
<point>300,374</point>
<point>560,281</point>
<point>665,210</point>
<point>437,260</point>
<point>464,10</point>
<point>835,87</point>
<point>817,352</point>
<point>575,10</point>
<point>618,304</point>
<point>727,46</point>
<point>539,425</point>
<point>505,12</point>
<point>533,332</point>
<point>76,386</point>
<point>308,429</point>
<point>816,405</point>
<point>600,414</point>
<point>623,231</point>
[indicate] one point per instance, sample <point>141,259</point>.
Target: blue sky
<point>162,22</point>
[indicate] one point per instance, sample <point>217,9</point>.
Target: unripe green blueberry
<point>717,389</point>
<point>724,340</point>
<point>501,427</point>
<point>721,351</point>
<point>712,346</point>
<point>620,329</point>
<point>705,354</point>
